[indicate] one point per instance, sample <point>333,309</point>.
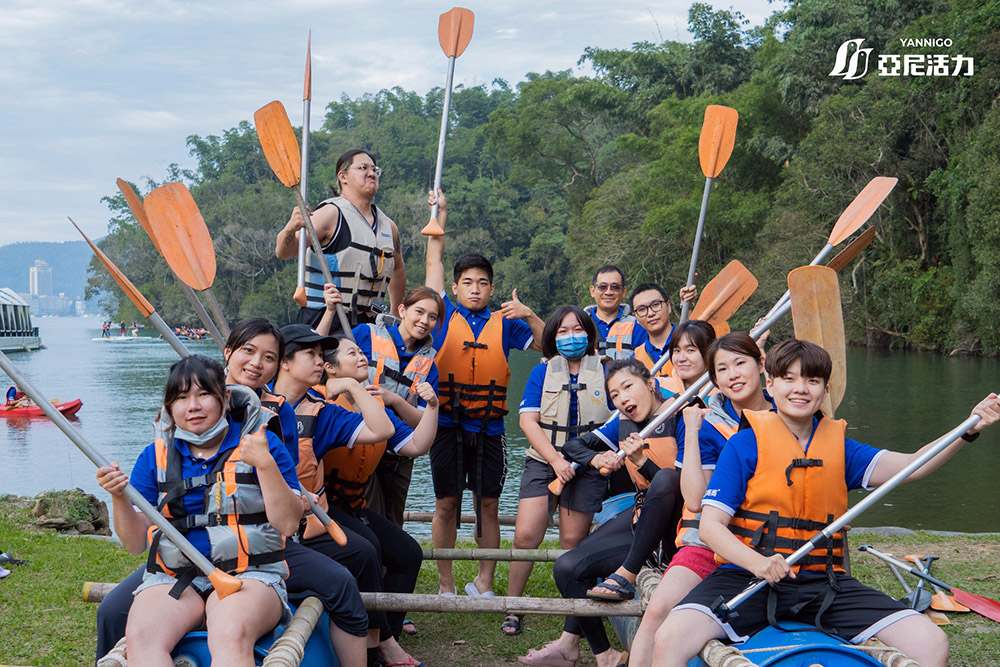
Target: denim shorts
<point>203,586</point>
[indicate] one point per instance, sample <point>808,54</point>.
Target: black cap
<point>299,336</point>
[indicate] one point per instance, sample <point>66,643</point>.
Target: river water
<point>897,400</point>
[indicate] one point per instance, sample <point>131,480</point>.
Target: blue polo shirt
<point>143,476</point>
<point>738,463</point>
<point>639,335</point>
<point>516,334</point>
<point>654,352</point>
<point>710,441</point>
<point>363,337</point>
<point>289,430</point>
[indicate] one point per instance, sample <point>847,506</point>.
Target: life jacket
<point>310,470</point>
<point>384,369</point>
<point>591,400</point>
<point>618,343</point>
<point>661,449</point>
<point>642,354</point>
<point>721,421</point>
<point>474,374</point>
<point>232,514</point>
<point>349,468</point>
<point>790,498</point>
<point>361,268</point>
<point>671,383</point>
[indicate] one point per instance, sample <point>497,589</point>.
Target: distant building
<point>16,329</point>
<point>40,279</point>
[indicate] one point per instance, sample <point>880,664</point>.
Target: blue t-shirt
<point>710,441</point>
<point>738,462</point>
<point>289,430</point>
<point>655,352</point>
<point>363,337</point>
<point>403,433</point>
<point>639,335</point>
<point>516,334</point>
<point>143,476</point>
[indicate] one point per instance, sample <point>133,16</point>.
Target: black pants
<point>401,555</point>
<point>598,555</point>
<point>309,573</point>
<point>661,510</point>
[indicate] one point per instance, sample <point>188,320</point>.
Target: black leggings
<point>309,573</point>
<point>401,556</point>
<point>661,510</point>
<point>598,555</point>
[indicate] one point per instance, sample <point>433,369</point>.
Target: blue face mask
<point>572,346</point>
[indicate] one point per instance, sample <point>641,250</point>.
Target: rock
<point>73,510</point>
<point>85,527</point>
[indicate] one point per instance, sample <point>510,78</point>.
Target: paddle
<point>853,249</point>
<point>718,135</point>
<point>281,149</point>
<point>818,318</point>
<point>224,583</point>
<point>139,213</point>
<point>184,241</point>
<point>850,221</point>
<point>940,601</point>
<point>454,33</point>
<point>917,599</point>
<point>300,284</point>
<point>724,610</point>
<point>135,296</point>
<point>720,299</point>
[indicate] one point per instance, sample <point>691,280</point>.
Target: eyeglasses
<point>365,168</point>
<point>653,307</point>
<point>608,287</point>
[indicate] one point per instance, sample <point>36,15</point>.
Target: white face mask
<point>199,440</point>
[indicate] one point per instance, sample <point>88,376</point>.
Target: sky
<point>94,90</point>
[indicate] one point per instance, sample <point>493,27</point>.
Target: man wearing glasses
<point>620,332</point>
<point>361,244</point>
<point>651,307</point>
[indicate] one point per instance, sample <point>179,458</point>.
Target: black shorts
<point>584,493</point>
<point>857,612</point>
<point>445,470</point>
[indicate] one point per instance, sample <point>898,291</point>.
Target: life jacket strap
<point>214,519</point>
<point>801,463</point>
<point>466,344</point>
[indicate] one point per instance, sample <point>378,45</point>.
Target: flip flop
<point>548,656</point>
<point>410,662</point>
<point>473,592</point>
<point>619,587</point>
<point>411,630</point>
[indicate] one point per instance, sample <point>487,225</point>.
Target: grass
<point>45,623</point>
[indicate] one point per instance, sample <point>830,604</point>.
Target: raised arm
<point>377,426</point>
<point>435,246</point>
<point>694,479</point>
<point>426,428</point>
<point>324,220</point>
<point>515,310</point>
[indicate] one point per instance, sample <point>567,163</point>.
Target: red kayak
<point>67,408</point>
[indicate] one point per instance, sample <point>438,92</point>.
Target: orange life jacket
<point>349,468</point>
<point>642,354</point>
<point>661,449</point>
<point>790,498</point>
<point>310,470</point>
<point>473,373</point>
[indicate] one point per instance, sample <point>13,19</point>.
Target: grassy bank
<point>45,623</point>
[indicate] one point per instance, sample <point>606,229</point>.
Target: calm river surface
<point>895,400</point>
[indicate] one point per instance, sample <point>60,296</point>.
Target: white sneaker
<point>3,572</point>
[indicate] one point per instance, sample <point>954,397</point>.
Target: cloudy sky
<point>92,90</point>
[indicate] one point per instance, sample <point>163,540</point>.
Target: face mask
<point>572,346</point>
<point>199,440</point>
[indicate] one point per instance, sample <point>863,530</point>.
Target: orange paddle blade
<point>138,211</point>
<point>277,139</point>
<point>182,234</point>
<point>455,31</point>
<point>718,135</point>
<point>307,88</point>
<point>818,318</point>
<point>556,486</point>
<point>724,294</point>
<point>862,208</point>
<point>853,249</point>
<point>433,228</point>
<point>133,294</point>
<point>225,584</point>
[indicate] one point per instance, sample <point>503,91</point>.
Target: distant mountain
<point>68,260</point>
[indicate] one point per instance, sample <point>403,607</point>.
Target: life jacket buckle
<point>474,345</point>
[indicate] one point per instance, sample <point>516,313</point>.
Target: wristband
<point>971,437</point>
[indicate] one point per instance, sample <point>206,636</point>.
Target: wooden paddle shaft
<point>321,258</point>
<point>101,461</point>
<point>697,244</point>
<point>443,135</point>
<point>856,511</point>
<point>199,309</point>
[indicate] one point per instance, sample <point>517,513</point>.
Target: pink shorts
<point>699,560</point>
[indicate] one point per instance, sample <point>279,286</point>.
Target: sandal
<point>511,624</point>
<point>410,662</point>
<point>409,628</point>
<point>548,656</point>
<point>620,589</point>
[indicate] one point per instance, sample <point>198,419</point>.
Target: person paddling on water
<point>735,365</point>
<point>473,343</point>
<point>564,398</point>
<point>749,522</point>
<point>16,398</point>
<point>360,242</point>
<point>196,434</point>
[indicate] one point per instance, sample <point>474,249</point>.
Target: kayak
<point>124,339</point>
<point>67,408</point>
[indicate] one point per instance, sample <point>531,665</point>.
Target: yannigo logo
<point>853,61</point>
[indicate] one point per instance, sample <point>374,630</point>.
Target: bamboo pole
<point>95,591</point>
<point>427,517</point>
<point>522,555</point>
<point>289,649</point>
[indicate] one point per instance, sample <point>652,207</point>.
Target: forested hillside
<point>562,173</point>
